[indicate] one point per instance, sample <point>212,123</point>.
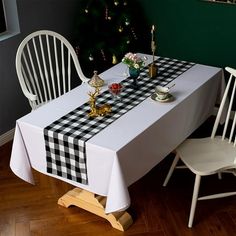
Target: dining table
<point>138,133</point>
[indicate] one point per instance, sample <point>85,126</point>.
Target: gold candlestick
<point>153,66</point>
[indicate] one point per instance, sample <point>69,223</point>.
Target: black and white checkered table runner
<point>65,139</point>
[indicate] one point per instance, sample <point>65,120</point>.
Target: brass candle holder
<point>153,67</point>
<point>152,70</point>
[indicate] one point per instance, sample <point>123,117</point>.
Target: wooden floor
<point>32,210</point>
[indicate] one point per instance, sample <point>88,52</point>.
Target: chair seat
<point>207,156</point>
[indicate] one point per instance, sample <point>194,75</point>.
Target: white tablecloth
<point>130,147</point>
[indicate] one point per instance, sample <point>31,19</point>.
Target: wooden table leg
<point>95,204</point>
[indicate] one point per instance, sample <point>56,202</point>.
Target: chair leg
<point>194,200</point>
<point>173,165</point>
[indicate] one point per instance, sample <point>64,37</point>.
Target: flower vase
<point>134,74</point>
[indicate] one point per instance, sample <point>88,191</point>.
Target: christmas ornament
<point>114,59</point>
<point>127,21</point>
<point>91,57</point>
<point>87,7</point>
<point>116,2</point>
<point>120,29</point>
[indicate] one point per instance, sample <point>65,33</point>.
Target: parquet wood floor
<point>33,210</point>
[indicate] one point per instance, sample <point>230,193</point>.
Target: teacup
<point>162,92</point>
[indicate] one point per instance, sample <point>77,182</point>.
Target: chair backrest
<point>44,63</point>
<point>229,93</point>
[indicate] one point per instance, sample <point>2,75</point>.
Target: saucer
<point>168,99</point>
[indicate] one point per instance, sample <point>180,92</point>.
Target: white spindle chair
<point>44,61</point>
<point>211,155</point>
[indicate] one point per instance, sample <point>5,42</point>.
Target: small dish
<point>115,89</point>
<point>169,98</point>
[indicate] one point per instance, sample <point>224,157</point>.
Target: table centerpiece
<point>134,63</point>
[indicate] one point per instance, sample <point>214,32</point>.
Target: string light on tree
<point>107,16</point>
<point>103,55</point>
<point>134,34</point>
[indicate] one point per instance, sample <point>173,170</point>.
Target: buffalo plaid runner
<point>65,139</point>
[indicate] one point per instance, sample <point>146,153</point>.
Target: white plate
<point>168,99</point>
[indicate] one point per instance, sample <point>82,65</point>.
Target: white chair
<point>44,63</point>
<point>211,155</point>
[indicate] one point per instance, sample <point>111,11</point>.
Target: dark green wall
<point>194,30</point>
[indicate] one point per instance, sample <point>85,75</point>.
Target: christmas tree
<point>107,29</point>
